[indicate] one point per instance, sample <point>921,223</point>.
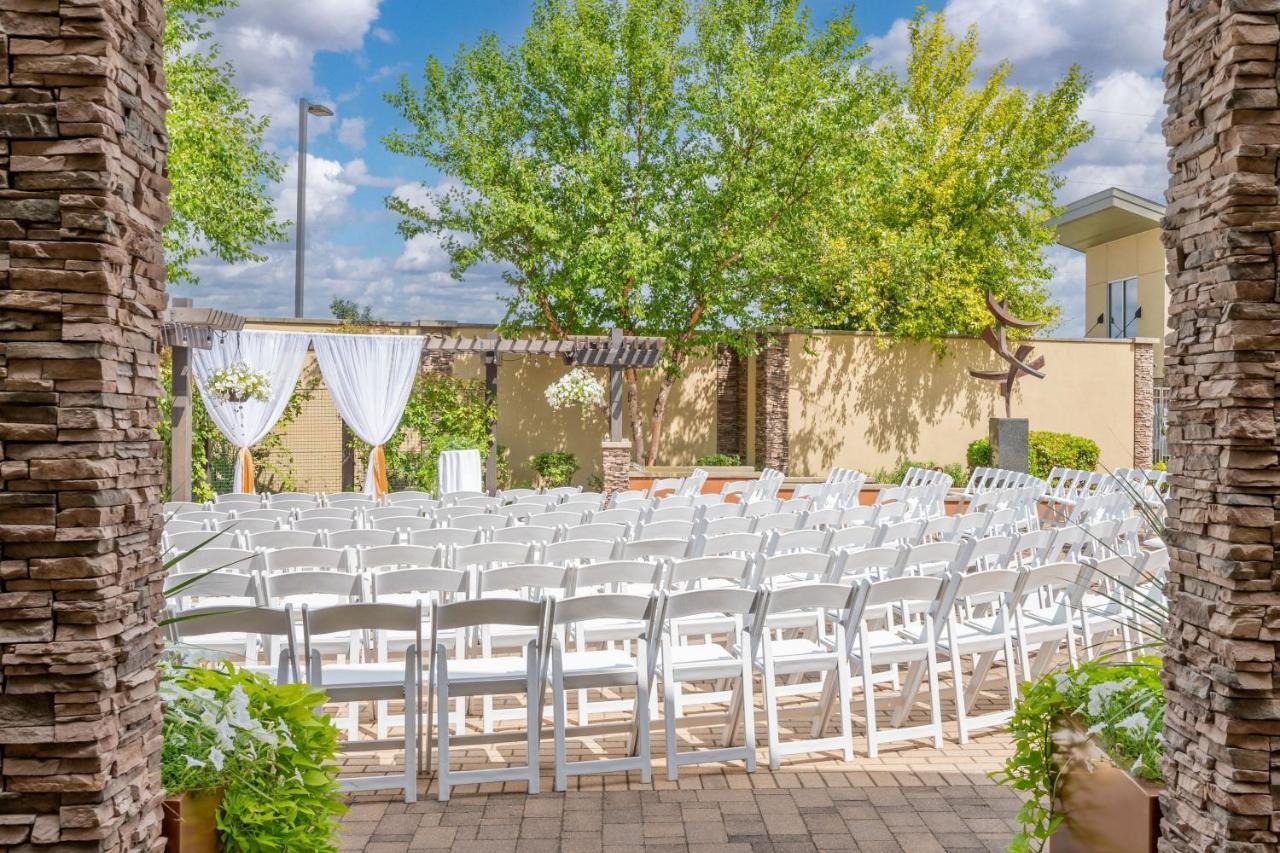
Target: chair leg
<point>749,714</point>
<point>429,719</point>
<point>533,701</point>
<point>410,739</point>
<point>442,734</point>
<point>669,726</point>
<point>642,729</point>
<point>559,709</point>
<point>869,697</point>
<point>935,705</point>
<point>842,696</point>
<point>957,685</point>
<point>771,713</point>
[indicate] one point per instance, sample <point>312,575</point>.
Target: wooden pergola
<point>186,328</point>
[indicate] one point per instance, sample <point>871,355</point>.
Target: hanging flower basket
<point>576,388</point>
<point>239,383</point>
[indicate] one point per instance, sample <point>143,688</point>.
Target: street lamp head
<point>319,110</point>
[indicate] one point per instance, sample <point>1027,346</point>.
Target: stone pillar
<point>773,385</point>
<point>615,465</point>
<point>731,403</point>
<point>1221,232</point>
<point>82,200</point>
<point>1144,400</point>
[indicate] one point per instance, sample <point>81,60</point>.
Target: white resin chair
<point>372,681</point>
<point>487,677</point>
<point>615,667</point>
<point>686,661</point>
<point>199,629</point>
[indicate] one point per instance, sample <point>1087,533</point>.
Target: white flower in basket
<point>576,388</point>
<point>239,383</point>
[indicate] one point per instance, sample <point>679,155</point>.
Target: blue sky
<point>349,53</point>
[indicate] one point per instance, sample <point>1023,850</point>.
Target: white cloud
<point>273,43</point>
<point>1067,289</point>
<point>1041,38</point>
<point>351,132</point>
<point>357,172</point>
<point>328,191</point>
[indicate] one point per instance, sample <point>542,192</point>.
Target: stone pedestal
<point>615,465</point>
<point>1009,444</point>
<point>773,389</point>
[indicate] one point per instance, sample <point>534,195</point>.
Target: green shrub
<point>443,413</point>
<point>895,474</point>
<point>719,460</point>
<point>265,744</point>
<point>1046,451</point>
<point>555,467</point>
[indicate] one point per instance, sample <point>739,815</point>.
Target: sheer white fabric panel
<point>280,355</point>
<point>370,378</point>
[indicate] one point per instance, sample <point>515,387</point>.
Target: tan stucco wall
<point>860,404</point>
<point>1140,255</point>
<point>854,402</point>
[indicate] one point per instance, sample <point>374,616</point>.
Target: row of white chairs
<point>829,629</point>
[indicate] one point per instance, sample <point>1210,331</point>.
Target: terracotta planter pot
<point>1105,809</point>
<point>190,822</point>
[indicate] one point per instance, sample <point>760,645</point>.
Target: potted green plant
<point>247,765</point>
<point>1087,748</point>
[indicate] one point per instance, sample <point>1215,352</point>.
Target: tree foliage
<point>654,165</point>
<point>705,169</point>
<point>954,200</point>
<point>351,311</point>
<point>219,165</point>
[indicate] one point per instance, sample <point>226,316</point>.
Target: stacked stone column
<point>1144,400</point>
<point>773,388</point>
<point>1222,230</point>
<point>82,201</point>
<point>731,403</point>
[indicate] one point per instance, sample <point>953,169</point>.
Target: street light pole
<point>305,108</point>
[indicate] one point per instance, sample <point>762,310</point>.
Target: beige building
<point>1125,293</point>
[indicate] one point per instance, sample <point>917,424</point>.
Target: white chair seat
<point>343,675</point>
<point>800,654</point>
<point>607,666</point>
<point>900,647</point>
<point>608,629</point>
<point>485,669</point>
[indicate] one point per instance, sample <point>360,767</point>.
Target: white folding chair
<point>596,531</point>
<point>666,530</point>
<point>175,525</point>
<point>672,513</point>
<point>716,512</point>
<point>787,541</point>
<point>624,515</point>
<point>526,533</point>
<point>728,524</point>
<point>613,668</point>
<point>708,572</point>
<point>181,543</point>
<point>408,496</point>
<point>222,591</point>
<point>199,631</point>
<point>281,516</point>
<point>852,538</point>
<point>576,552</point>
<point>796,653</point>
<point>392,511</point>
<point>403,526</point>
<point>1046,613</point>
<point>559,517</point>
<point>215,559</point>
<point>358,539</point>
<point>323,524</point>
<point>743,544</point>
<point>358,681</point>
<point>350,500</point>
<point>490,676</point>
<point>687,615</point>
<point>443,537</point>
<point>895,644</point>
<point>654,549</point>
<point>288,559</point>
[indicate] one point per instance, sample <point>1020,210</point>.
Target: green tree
<point>954,199</point>
<point>660,166</point>
<point>220,168</point>
<point>350,310</point>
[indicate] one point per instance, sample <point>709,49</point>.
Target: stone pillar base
<point>615,465</point>
<point>1010,444</point>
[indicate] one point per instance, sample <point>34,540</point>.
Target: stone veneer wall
<point>1144,400</point>
<point>82,199</point>
<point>615,465</point>
<point>731,403</point>
<point>1221,232</point>
<point>773,390</point>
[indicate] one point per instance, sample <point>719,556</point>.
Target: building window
<point>1122,308</point>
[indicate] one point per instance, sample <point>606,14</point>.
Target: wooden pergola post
<point>180,419</point>
<point>491,399</point>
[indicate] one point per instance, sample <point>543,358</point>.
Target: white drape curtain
<point>280,355</point>
<point>370,378</point>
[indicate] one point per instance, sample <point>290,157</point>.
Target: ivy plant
<point>1120,704</point>
<point>265,744</point>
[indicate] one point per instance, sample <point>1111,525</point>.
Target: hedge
<point>1047,450</point>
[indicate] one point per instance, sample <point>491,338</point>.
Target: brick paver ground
<point>912,797</point>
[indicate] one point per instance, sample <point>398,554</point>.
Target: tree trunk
<point>636,412</point>
<point>659,415</point>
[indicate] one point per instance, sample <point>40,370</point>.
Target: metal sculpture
<point>994,335</point>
